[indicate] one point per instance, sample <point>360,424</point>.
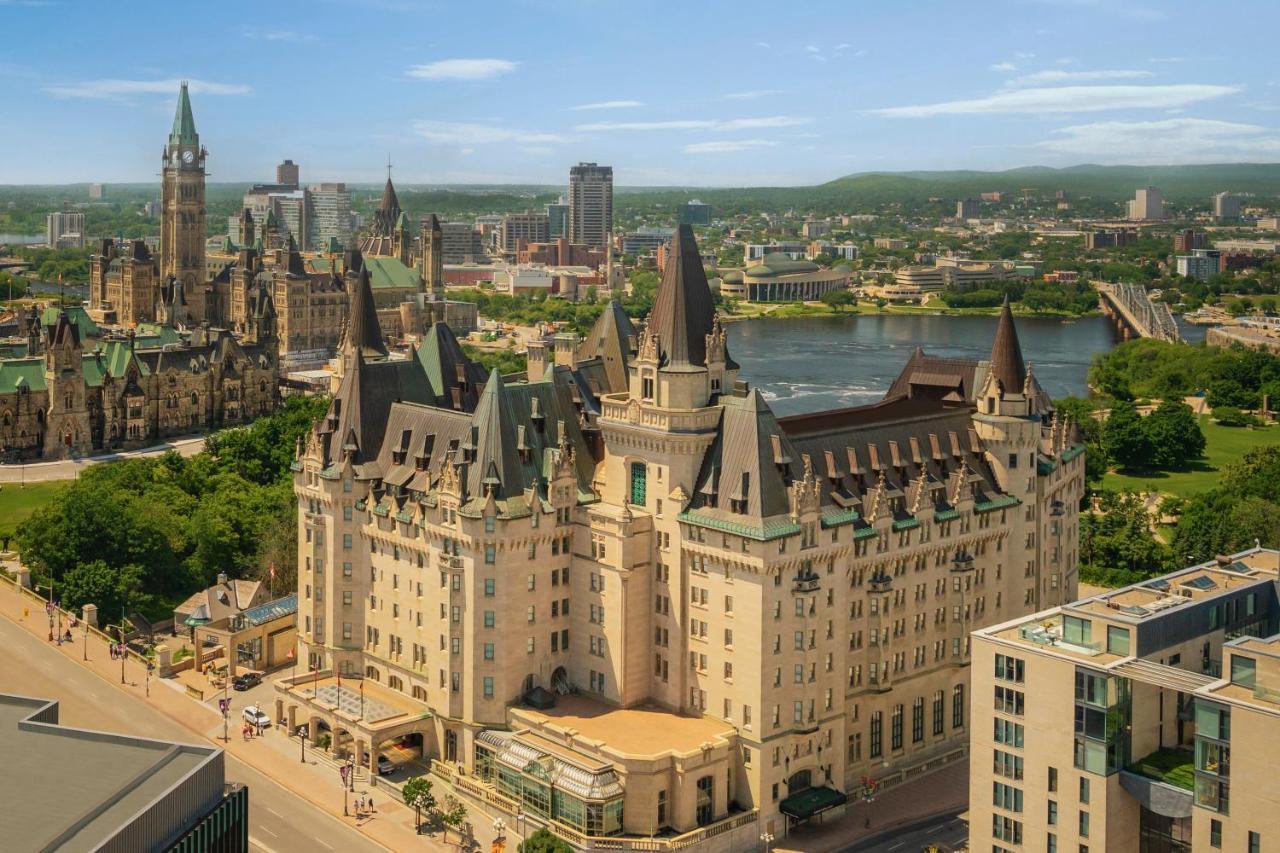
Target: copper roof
<point>684,310</point>
<point>1006,355</point>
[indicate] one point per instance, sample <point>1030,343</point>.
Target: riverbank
<point>933,308</point>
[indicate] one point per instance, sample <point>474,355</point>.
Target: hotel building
<point>619,594</point>
<point>1139,719</point>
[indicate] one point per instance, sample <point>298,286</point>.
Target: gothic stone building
<point>621,595</point>
<point>73,400</point>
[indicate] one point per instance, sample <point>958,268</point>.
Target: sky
<point>684,92</point>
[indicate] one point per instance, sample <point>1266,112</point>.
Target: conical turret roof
<point>364,334</point>
<point>684,311</point>
<point>1006,354</point>
<point>390,202</point>
<point>184,123</point>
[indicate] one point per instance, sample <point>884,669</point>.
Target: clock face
<point>188,157</point>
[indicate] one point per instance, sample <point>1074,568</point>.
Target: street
<point>949,831</point>
<point>67,469</point>
<point>279,821</point>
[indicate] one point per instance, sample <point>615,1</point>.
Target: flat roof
<point>79,787</point>
<point>641,730</point>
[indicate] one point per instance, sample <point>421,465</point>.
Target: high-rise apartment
<point>1147,205</point>
<point>1226,207</point>
<point>623,595</point>
<point>1144,718</point>
<point>968,208</point>
<point>65,229</point>
<point>330,215</point>
<point>590,204</point>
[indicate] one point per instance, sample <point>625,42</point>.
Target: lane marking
<point>269,832</point>
<point>253,842</point>
<point>274,812</point>
<point>322,844</point>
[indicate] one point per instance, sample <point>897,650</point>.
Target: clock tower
<point>182,228</point>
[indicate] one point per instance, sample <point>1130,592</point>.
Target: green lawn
<point>1222,446</point>
<point>17,502</point>
<point>1174,766</point>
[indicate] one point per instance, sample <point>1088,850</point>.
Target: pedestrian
<point>370,804</point>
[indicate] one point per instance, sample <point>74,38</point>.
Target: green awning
<point>194,621</point>
<point>808,803</point>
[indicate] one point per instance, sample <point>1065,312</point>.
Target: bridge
<point>1134,314</point>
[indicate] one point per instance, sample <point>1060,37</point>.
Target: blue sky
<point>688,92</point>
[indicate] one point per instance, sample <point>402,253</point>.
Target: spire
<point>1006,355</point>
<point>684,311</point>
<point>184,124</point>
<point>364,335</point>
<point>390,203</point>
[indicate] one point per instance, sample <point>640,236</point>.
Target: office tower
<point>1145,718</point>
<point>967,208</point>
<point>694,212</point>
<point>558,218</point>
<point>527,227</point>
<point>1147,204</point>
<point>287,174</point>
<point>65,230</point>
<point>330,215</point>
<point>590,204</point>
<point>1226,207</point>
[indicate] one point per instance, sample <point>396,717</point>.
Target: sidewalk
<point>274,754</point>
<point>944,790</point>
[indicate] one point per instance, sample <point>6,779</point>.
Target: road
<point>279,821</point>
<point>948,831</point>
<point>67,469</point>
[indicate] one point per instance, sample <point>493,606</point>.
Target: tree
<point>838,299</point>
<point>1116,543</point>
<point>1174,434</point>
<point>417,793</point>
<point>453,815</point>
<point>543,841</point>
<point>112,590</point>
<point>1230,416</point>
<point>1124,438</point>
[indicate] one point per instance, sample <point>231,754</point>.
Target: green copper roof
<point>24,371</point>
<point>764,532</point>
<point>77,315</point>
<point>389,273</point>
<point>999,502</point>
<point>776,264</point>
<point>184,124</point>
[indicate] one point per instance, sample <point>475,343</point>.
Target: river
<point>811,364</point>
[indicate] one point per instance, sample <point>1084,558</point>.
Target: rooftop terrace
<point>639,731</point>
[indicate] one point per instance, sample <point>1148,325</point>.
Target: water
<point>20,239</point>
<point>811,364</point>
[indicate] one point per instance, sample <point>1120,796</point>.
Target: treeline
<point>1067,298</point>
<point>48,264</point>
<point>1146,368</point>
<point>146,533</point>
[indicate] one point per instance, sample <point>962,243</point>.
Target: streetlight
<point>520,817</point>
<point>86,640</point>
<point>499,834</point>
<point>767,838</point>
<point>48,607</point>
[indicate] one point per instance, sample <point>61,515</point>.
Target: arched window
<point>639,476</point>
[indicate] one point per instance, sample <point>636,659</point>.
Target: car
<point>385,766</point>
<point>255,716</point>
<point>245,680</point>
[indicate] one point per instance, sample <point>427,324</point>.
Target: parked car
<point>245,680</point>
<point>385,766</point>
<point>254,715</point>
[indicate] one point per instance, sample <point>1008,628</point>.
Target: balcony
<point>806,582</point>
<point>1162,782</point>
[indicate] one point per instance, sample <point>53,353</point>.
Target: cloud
<point>1022,54</point>
<point>844,45</point>
<point>463,69</point>
<point>280,36</point>
<point>727,146</point>
<point>811,49</point>
<point>1167,60</point>
<point>1067,99</point>
<point>750,94</point>
<point>763,44</point>
<point>474,133</point>
<point>1174,140</point>
<point>696,124</point>
<point>608,105</point>
<point>1055,76</point>
<point>1004,66</point>
<point>112,88</point>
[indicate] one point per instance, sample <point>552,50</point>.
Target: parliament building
<point>621,596</point>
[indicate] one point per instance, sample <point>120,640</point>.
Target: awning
<point>806,804</point>
<point>194,622</point>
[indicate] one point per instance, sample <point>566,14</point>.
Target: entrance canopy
<point>808,803</point>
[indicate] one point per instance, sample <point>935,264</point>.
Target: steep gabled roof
<point>364,334</point>
<point>610,340</point>
<point>64,332</point>
<point>1006,354</point>
<point>358,414</point>
<point>455,379</point>
<point>684,310</point>
<point>751,463</point>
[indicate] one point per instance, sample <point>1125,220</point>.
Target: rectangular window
<point>489,618</point>
<point>1255,842</point>
<point>490,554</point>
<point>876,734</point>
<point>895,731</point>
<point>490,587</point>
<point>1215,833</point>
<point>1084,790</point>
<point>488,651</point>
<point>639,475</point>
<point>1084,824</point>
<point>488,687</point>
<point>1117,640</point>
<point>1244,671</point>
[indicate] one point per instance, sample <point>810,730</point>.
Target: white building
<point>1226,207</point>
<point>1147,204</point>
<point>65,230</point>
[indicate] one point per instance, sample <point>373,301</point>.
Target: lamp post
<point>520,818</point>
<point>499,837</point>
<point>767,838</point>
<point>48,607</point>
<point>86,640</point>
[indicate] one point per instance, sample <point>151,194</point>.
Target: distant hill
<point>1179,183</point>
